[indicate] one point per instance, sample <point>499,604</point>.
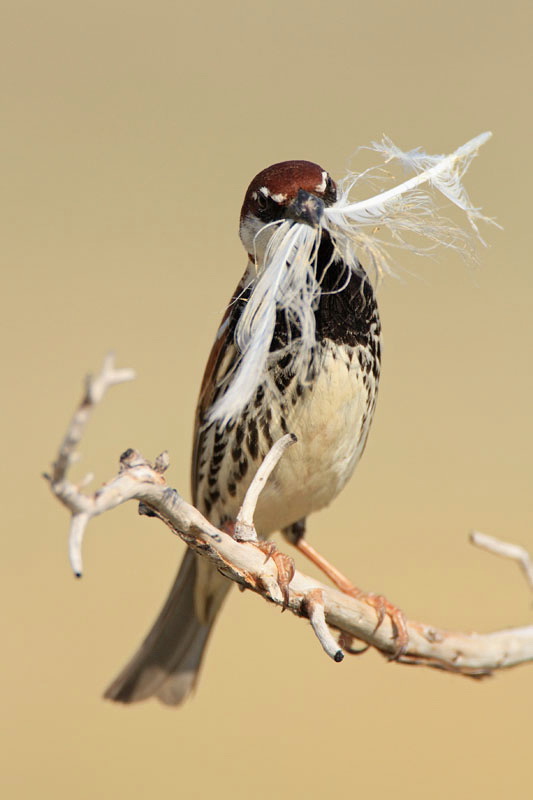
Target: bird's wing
<point>221,361</point>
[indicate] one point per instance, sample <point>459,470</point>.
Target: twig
<point>317,618</point>
<point>244,524</point>
<point>507,550</point>
<point>95,389</point>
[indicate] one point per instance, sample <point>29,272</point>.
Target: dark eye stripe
<point>330,192</point>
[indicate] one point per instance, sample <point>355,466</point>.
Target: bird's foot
<point>383,609</point>
<point>284,565</point>
<point>379,603</point>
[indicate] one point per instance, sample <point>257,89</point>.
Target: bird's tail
<point>166,664</point>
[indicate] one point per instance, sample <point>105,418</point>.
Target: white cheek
<point>253,238</point>
<point>247,232</point>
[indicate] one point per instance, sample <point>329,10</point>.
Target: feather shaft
<point>365,211</point>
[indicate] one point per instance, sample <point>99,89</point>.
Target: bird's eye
<point>262,202</point>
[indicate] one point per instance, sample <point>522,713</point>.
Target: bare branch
<point>244,561</point>
<point>70,495</point>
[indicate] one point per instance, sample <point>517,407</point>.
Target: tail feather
<point>166,664</point>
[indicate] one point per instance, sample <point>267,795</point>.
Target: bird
<point>326,399</point>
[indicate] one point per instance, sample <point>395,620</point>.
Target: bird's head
<point>296,191</point>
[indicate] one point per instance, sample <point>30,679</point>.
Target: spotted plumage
<point>342,378</point>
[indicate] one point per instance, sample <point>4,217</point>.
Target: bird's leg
<point>295,535</point>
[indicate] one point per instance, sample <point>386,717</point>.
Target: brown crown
<point>286,179</point>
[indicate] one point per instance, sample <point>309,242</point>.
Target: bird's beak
<point>307,208</point>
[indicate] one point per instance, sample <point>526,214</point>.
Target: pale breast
<point>331,423</point>
<point>330,415</point>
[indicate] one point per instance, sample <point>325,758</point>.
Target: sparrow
<point>326,399</point>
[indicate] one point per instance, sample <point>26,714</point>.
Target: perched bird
<point>298,351</point>
<point>328,403</point>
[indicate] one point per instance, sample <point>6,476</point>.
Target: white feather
<point>285,281</point>
<point>442,172</point>
<point>286,278</point>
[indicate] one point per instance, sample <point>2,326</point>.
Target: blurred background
<point>129,133</point>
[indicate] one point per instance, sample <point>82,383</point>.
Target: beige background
<point>129,132</point>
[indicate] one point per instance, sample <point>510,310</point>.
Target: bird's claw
<point>284,565</point>
<point>379,603</point>
<point>384,609</point>
<point>346,643</point>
